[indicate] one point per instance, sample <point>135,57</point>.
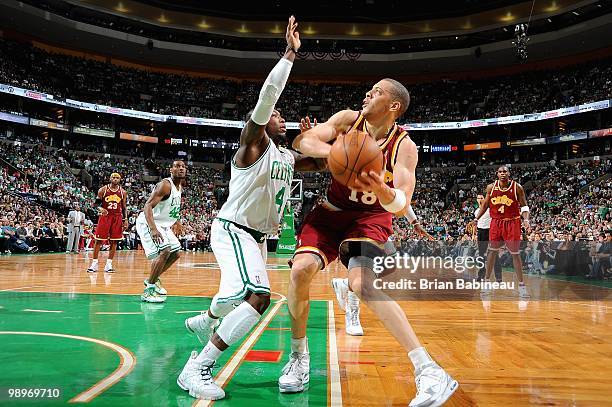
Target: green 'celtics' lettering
<point>282,171</point>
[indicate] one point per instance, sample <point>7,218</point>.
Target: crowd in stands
<point>37,188</point>
<point>104,83</point>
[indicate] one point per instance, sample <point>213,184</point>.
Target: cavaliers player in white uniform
<point>260,185</point>
<point>347,220</point>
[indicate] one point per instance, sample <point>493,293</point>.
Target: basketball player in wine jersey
<point>112,221</point>
<point>354,222</point>
<point>507,203</point>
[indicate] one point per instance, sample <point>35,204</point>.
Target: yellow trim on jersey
<point>311,249</point>
<point>357,122</point>
<point>395,148</point>
<point>499,188</point>
<point>389,138</point>
<point>364,239</point>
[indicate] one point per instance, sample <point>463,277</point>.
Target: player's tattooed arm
<point>161,192</point>
<point>100,200</point>
<point>304,163</point>
<point>315,141</point>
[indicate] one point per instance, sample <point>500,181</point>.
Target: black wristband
<point>290,48</point>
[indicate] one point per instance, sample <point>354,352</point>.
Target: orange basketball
<point>353,153</point>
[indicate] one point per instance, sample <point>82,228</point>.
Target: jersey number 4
<point>368,198</point>
<point>174,212</point>
<point>280,198</point>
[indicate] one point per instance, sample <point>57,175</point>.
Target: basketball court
<point>91,337</point>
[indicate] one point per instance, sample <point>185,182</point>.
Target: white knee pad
<point>237,323</point>
<point>221,309</point>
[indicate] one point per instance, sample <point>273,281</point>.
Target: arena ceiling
<point>356,19</point>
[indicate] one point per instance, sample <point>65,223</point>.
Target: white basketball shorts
<point>241,259</point>
<point>151,248</point>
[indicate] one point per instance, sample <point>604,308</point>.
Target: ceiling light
<point>507,17</point>
<point>162,19</point>
<point>243,29</point>
<point>121,8</point>
<point>204,24</point>
<point>309,30</point>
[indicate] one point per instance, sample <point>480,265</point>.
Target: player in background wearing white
<point>157,226</point>
<point>260,185</point>
<point>349,301</point>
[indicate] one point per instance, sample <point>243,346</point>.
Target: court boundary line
<point>127,361</point>
<point>282,297</point>
<point>227,372</point>
<point>335,387</point>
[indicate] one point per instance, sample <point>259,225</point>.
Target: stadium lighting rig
<point>520,41</point>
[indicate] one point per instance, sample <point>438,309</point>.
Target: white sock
<point>209,354</point>
<point>109,263</point>
<point>299,345</point>
<point>419,358</point>
<point>94,264</point>
<point>206,319</point>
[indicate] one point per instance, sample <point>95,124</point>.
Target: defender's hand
<point>292,36</point>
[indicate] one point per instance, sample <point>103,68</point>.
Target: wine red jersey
<point>344,198</point>
<point>504,203</point>
<point>112,201</point>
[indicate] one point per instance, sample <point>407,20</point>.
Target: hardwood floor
<point>503,352</point>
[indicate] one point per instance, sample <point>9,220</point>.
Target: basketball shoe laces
<point>353,303</point>
<point>430,379</point>
<point>206,373</point>
<point>294,361</point>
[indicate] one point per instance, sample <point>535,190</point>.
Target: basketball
<point>353,153</point>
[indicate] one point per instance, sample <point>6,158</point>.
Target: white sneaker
<point>158,288</point>
<point>523,293</point>
<point>341,288</point>
<point>149,295</point>
<point>434,387</point>
<point>296,373</point>
<point>109,270</point>
<point>197,326</point>
<point>351,318</point>
<point>197,379</point>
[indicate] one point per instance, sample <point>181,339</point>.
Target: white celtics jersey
<point>258,193</point>
<point>167,212</point>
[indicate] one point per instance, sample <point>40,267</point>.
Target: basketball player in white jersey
<point>156,225</point>
<point>260,184</point>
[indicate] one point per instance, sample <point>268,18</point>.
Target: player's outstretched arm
<point>162,191</point>
<point>253,138</point>
<point>485,203</point>
<point>314,142</point>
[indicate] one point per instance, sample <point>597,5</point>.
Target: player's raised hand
<point>305,124</point>
<point>292,36</point>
